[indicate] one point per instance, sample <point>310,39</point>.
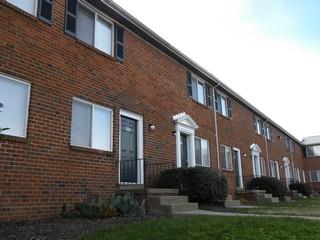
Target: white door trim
<point>140,164</point>
<point>239,166</point>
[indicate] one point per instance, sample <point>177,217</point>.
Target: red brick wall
<point>312,163</point>
<point>239,132</point>
<point>41,173</point>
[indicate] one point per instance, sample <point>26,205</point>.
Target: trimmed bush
<point>198,183</point>
<point>302,188</point>
<point>171,178</point>
<point>270,184</point>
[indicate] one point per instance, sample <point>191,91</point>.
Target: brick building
<point>92,97</point>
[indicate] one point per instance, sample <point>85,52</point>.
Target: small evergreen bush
<point>302,188</point>
<point>270,184</point>
<point>200,184</point>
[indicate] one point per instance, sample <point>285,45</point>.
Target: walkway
<point>228,214</point>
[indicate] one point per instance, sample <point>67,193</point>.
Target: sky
<point>268,51</point>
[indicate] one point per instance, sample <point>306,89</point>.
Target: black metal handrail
<point>141,171</point>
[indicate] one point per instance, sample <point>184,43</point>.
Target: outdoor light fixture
<point>152,127</point>
<point>244,154</point>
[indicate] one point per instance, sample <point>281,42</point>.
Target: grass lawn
<point>305,207</point>
<point>214,228</point>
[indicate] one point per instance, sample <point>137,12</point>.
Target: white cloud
<point>276,75</point>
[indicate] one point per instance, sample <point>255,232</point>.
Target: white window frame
<point>11,78</point>
<point>225,157</point>
<point>97,13</point>
<point>272,169</point>
<point>208,143</point>
<point>35,9</point>
<point>198,79</point>
<point>225,97</point>
<point>263,166</point>
<point>93,105</point>
<point>318,176</point>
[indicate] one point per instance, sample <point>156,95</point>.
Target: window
<point>30,6</point>
<point>202,152</point>
<point>262,128</point>
<point>272,170</point>
<point>120,43</point>
<point>315,176</point>
<point>313,151</point>
<point>91,126</point>
<point>223,104</point>
<point>199,90</point>
<point>90,27</point>
<point>268,132</point>
<point>291,146</point>
<point>14,95</point>
<point>286,143</point>
<point>226,157</point>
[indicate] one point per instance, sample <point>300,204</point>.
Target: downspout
<point>216,125</point>
<point>291,155</point>
<point>266,145</point>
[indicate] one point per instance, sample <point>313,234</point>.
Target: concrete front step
<point>171,209</point>
<point>267,195</point>
<point>231,203</point>
<point>164,200</point>
<point>288,199</point>
<point>183,207</point>
<point>163,191</point>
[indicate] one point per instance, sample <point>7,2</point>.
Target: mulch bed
<point>60,229</point>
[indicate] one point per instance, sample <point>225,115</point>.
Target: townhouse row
<point>94,100</point>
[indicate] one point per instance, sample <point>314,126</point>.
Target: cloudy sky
<point>266,50</point>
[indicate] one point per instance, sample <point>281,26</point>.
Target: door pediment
<point>185,120</point>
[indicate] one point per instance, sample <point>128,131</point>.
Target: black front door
<point>184,150</point>
<point>128,164</point>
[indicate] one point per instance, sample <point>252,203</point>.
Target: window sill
<point>200,104</point>
<point>227,170</point>
<point>77,40</point>
<point>19,10</point>
<point>91,150</point>
<point>224,117</point>
<point>13,139</point>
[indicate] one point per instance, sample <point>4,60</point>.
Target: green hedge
<point>270,184</point>
<point>200,184</point>
<point>302,188</point>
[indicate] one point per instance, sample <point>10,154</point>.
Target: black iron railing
<point>141,171</point>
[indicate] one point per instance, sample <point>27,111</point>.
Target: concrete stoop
<point>288,199</point>
<point>167,202</point>
<point>231,203</point>
<point>253,196</point>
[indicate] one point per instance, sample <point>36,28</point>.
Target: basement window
<point>40,8</point>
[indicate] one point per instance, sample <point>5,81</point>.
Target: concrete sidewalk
<point>229,214</point>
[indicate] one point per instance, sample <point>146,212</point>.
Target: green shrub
<point>198,183</point>
<point>171,178</point>
<point>87,210</point>
<point>127,205</point>
<point>270,184</point>
<point>302,188</point>
<point>93,207</point>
